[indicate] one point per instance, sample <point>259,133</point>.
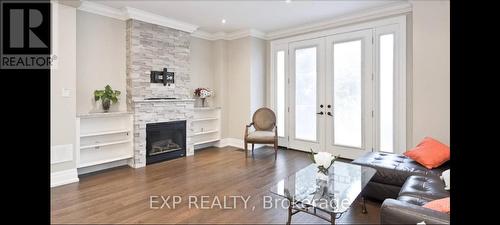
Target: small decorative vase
<point>106,104</point>
<point>202,102</point>
<point>321,176</point>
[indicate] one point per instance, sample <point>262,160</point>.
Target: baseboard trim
<point>63,177</point>
<point>237,143</point>
<point>105,166</point>
<point>233,142</point>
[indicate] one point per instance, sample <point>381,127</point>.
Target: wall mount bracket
<point>164,77</point>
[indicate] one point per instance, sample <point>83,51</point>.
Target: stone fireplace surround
<point>158,111</point>
<point>154,47</point>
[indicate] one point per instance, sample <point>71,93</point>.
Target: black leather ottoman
<point>392,172</point>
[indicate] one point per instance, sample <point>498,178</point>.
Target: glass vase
<point>203,102</point>
<point>321,176</point>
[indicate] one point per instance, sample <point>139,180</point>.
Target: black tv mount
<point>162,77</point>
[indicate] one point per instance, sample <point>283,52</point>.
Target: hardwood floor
<point>122,195</point>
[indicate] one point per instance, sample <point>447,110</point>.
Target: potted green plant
<point>107,96</point>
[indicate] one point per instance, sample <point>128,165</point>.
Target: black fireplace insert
<point>165,141</point>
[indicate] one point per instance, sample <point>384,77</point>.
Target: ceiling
<point>265,16</point>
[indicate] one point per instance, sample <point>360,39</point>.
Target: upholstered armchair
<point>266,132</point>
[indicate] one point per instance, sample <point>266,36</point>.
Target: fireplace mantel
<point>163,100</point>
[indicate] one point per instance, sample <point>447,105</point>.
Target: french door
<point>330,95</point>
<point>348,95</point>
<point>342,93</point>
<point>307,97</point>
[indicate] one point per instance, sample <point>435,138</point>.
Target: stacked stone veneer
<point>153,47</point>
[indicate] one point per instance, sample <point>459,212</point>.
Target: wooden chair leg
<point>246,149</point>
<point>275,150</point>
<point>252,149</point>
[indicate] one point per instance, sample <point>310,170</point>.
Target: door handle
<point>330,114</point>
<point>320,113</point>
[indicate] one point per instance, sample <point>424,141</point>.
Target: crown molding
<point>245,33</point>
<point>102,10</point>
<point>133,13</point>
<point>203,35</point>
<point>384,11</point>
<point>70,3</point>
<point>137,14</point>
<point>229,36</point>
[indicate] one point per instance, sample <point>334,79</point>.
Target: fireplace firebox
<point>165,141</point>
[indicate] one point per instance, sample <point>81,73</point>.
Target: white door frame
<point>296,143</point>
<point>365,36</point>
<point>398,23</point>
<point>282,141</point>
<point>399,127</point>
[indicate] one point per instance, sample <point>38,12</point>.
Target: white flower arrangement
<point>323,160</point>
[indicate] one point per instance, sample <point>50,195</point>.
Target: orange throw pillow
<point>430,153</point>
<point>441,205</point>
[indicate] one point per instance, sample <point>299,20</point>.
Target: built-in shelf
<point>105,133</point>
<point>207,141</point>
<point>104,144</point>
<point>93,163</point>
<point>205,132</point>
<point>204,119</point>
<point>206,126</point>
<point>112,131</point>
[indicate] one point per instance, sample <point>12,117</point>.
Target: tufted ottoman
<point>392,172</point>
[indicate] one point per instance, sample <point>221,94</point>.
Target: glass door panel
<point>347,85</point>
<point>386,90</point>
<point>305,94</point>
<point>280,89</point>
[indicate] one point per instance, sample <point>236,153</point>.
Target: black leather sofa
<point>392,172</point>
<point>404,186</point>
<point>407,208</point>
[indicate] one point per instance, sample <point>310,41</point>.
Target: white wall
<point>258,74</point>
<point>431,70</point>
<point>219,66</point>
<point>63,109</point>
<point>100,48</point>
<point>202,71</point>
<point>238,86</point>
<point>240,75</point>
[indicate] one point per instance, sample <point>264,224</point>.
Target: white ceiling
<point>265,16</point>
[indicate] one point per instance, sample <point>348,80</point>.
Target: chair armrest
<point>246,130</point>
<point>393,211</point>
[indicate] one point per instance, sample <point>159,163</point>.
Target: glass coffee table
<point>325,196</point>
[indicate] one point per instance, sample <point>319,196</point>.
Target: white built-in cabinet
<point>104,138</point>
<point>205,126</point>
